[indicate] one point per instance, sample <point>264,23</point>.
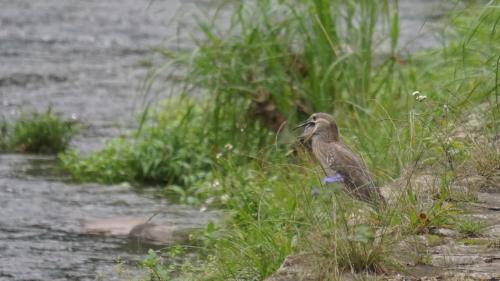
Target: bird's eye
<point>314,118</point>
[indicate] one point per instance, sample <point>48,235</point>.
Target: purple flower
<point>337,178</point>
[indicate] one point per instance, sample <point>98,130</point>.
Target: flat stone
<point>488,217</point>
<point>479,276</point>
<point>295,268</point>
<point>457,249</point>
<point>149,233</point>
<point>117,226</point>
<point>453,260</point>
<point>476,272</point>
<point>490,200</point>
<point>139,230</point>
<point>493,231</point>
<point>472,181</point>
<point>424,185</point>
<point>445,232</point>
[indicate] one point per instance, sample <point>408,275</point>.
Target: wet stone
<point>460,254</point>
<point>493,231</point>
<point>445,232</point>
<point>118,226</point>
<point>451,260</point>
<point>490,200</point>
<point>475,272</point>
<point>149,233</point>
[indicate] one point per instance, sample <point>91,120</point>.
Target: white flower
<point>224,198</point>
<point>203,209</point>
<point>218,156</point>
<point>216,183</point>
<point>420,97</point>
<point>445,109</point>
<point>209,200</point>
<point>228,146</point>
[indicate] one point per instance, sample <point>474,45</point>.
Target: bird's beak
<point>307,123</point>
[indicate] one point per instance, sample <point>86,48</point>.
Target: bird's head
<point>319,125</point>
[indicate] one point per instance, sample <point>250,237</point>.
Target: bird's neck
<point>326,137</point>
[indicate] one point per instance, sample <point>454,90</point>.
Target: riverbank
<point>401,112</point>
<point>219,149</point>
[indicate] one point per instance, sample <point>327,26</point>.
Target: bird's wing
<point>347,163</point>
<point>352,168</point>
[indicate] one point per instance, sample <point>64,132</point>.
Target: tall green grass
<point>275,61</point>
<point>281,61</point>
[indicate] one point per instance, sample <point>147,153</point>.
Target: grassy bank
<point>250,78</point>
<point>229,146</point>
<point>264,76</point>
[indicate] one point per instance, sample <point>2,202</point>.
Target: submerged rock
<point>493,231</point>
<point>149,233</point>
<point>445,232</point>
<point>138,230</point>
<point>117,226</point>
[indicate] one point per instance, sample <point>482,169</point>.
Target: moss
<point>494,243</point>
<point>475,241</point>
<point>434,240</point>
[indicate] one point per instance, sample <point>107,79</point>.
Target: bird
<point>321,137</point>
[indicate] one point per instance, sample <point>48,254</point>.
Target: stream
<point>87,59</point>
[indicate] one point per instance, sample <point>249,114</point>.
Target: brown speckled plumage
<point>322,137</point>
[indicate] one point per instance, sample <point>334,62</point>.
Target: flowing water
<point>87,59</point>
<point>42,216</point>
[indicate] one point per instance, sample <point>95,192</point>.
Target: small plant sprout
<point>470,227</point>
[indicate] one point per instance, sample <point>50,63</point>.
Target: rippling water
<point>41,219</point>
<point>84,58</point>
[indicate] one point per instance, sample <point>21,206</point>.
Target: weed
<point>157,261</point>
<point>169,148</point>
<point>470,227</point>
<point>37,133</point>
<point>484,162</point>
<point>475,242</point>
<point>494,243</point>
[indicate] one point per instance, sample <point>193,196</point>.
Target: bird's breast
<point>325,154</point>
